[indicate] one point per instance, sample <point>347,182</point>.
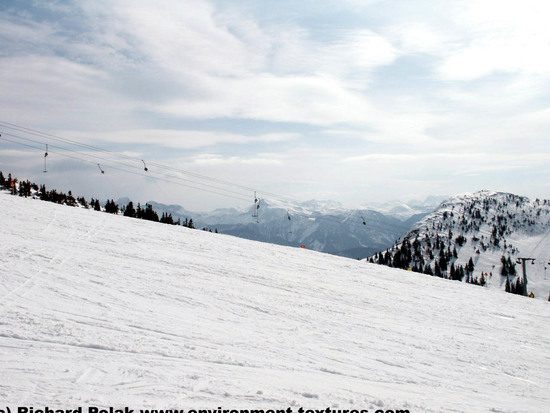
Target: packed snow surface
<point>104,310</point>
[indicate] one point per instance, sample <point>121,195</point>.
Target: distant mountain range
<point>324,226</point>
<point>485,238</point>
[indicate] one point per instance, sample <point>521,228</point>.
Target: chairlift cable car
<point>45,156</point>
<point>254,211</point>
<point>144,166</point>
<point>102,171</point>
<point>289,222</point>
<point>256,207</point>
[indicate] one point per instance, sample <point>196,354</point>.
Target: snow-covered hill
<point>324,226</point>
<point>481,228</point>
<point>104,310</point>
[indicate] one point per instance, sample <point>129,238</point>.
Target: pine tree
<point>130,211</point>
<point>511,267</point>
<point>443,263</point>
<point>43,193</point>
<point>460,272</point>
<point>470,266</point>
<point>437,270</point>
<point>504,270</point>
<point>111,207</point>
<point>150,214</point>
<point>70,199</point>
<point>166,218</point>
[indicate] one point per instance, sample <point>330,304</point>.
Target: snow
<point>105,310</point>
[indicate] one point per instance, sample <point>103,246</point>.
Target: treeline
<point>414,256</point>
<point>410,256</point>
<point>33,190</point>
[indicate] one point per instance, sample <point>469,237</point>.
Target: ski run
<point>114,312</point>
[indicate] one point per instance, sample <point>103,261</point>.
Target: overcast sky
<point>355,101</point>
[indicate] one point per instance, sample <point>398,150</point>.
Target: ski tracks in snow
<point>128,312</point>
<point>40,264</point>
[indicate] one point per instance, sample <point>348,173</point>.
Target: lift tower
<point>524,271</point>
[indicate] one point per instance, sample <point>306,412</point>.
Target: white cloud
<point>24,35</point>
<point>418,37</point>
<point>184,37</point>
<point>503,36</point>
<point>538,117</point>
<point>187,60</point>
<point>177,139</point>
<point>49,93</point>
<point>234,68</point>
<point>349,55</point>
<point>318,100</point>
<point>217,160</point>
<point>464,163</point>
<point>453,87</point>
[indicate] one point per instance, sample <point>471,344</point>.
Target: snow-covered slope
<point>104,310</point>
<point>483,227</point>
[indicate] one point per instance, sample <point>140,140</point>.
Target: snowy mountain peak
<point>405,210</point>
<point>325,206</point>
<point>479,238</point>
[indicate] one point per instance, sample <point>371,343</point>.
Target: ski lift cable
<point>242,198</point>
<point>95,148</point>
<point>281,198</point>
<point>116,154</point>
<point>247,188</point>
<point>110,162</point>
<point>41,134</point>
<point>19,143</point>
<point>60,139</point>
<point>70,150</point>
